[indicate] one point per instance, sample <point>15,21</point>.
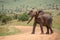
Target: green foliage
<point>4,29</point>
<point>15,16</point>
<point>8,31</point>
<point>23,17</point>
<point>31,3</point>
<point>4,18</point>
<point>56,22</point>
<point>58,14</point>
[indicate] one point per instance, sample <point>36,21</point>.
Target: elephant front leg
<point>34,26</point>
<point>41,26</point>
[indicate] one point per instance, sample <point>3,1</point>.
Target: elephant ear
<point>40,12</point>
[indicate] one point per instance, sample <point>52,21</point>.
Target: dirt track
<point>26,34</point>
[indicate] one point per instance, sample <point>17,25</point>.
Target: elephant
<point>41,18</point>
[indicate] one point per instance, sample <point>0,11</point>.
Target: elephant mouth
<point>29,15</point>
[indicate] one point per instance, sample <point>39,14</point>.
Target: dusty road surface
<point>26,34</point>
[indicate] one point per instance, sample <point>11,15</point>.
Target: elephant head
<point>32,13</point>
<point>35,12</point>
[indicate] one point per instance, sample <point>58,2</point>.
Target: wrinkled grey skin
<point>42,19</point>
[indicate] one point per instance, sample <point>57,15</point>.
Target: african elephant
<point>42,19</point>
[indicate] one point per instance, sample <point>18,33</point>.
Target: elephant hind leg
<point>49,25</point>
<point>47,30</point>
<point>51,30</point>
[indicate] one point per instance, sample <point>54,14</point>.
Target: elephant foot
<point>51,32</point>
<point>42,33</point>
<point>33,33</point>
<point>47,32</point>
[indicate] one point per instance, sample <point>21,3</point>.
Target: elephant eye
<point>31,11</point>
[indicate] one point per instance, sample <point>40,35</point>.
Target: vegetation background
<point>14,13</point>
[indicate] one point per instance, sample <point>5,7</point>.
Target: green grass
<point>19,23</point>
<point>56,25</point>
<point>4,31</point>
<point>56,22</point>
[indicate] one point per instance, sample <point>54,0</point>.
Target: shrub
<point>4,18</point>
<point>15,16</point>
<point>1,15</point>
<point>58,14</point>
<point>23,17</point>
<point>9,18</point>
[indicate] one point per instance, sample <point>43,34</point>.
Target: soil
<point>26,34</point>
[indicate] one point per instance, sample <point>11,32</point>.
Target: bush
<point>1,15</point>
<point>15,16</point>
<point>58,14</point>
<point>23,17</point>
<point>4,18</point>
